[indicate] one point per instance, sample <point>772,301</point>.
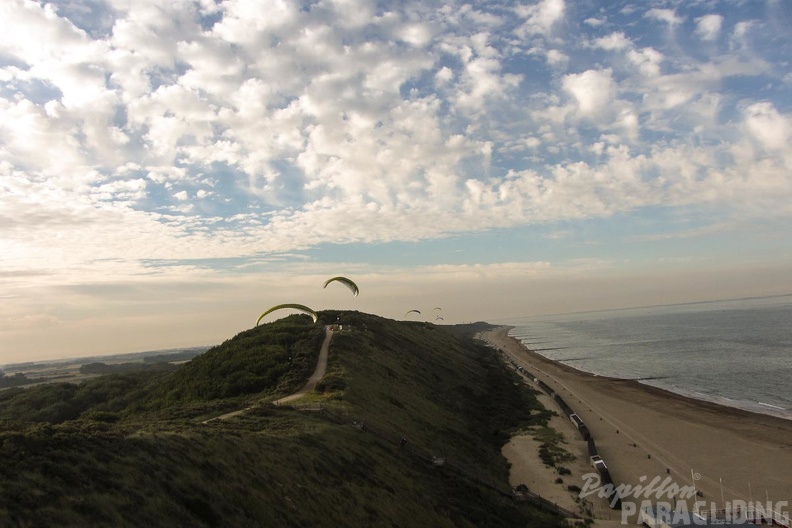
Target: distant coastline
<point>76,370</point>
<point>740,409</point>
<point>711,404</point>
<point>650,306</point>
<point>730,353</point>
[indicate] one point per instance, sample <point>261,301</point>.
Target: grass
<point>551,449</point>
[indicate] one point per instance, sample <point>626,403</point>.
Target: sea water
<point>736,352</point>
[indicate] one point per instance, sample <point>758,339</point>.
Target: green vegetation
<point>59,402</point>
<point>131,449</point>
<point>181,355</point>
<point>17,380</point>
<point>551,449</point>
<point>268,360</point>
<point>124,368</point>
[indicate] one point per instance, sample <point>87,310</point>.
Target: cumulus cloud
<point>772,130</point>
<point>180,130</point>
<point>708,27</point>
<point>592,90</point>
<point>541,17</point>
<point>557,58</point>
<point>614,41</point>
<point>594,22</point>
<point>668,16</point>
<point>418,35</point>
<point>648,61</point>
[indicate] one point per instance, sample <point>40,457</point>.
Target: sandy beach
<point>641,431</point>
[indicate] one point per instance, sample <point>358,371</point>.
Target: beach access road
<point>643,432</point>
<point>316,377</point>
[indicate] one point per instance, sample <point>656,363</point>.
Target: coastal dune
<point>644,433</point>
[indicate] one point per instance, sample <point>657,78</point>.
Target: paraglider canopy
<point>299,307</point>
<point>347,282</point>
<point>412,311</point>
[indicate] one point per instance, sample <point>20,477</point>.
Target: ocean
<point>736,352</point>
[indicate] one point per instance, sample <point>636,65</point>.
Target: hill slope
<point>142,456</point>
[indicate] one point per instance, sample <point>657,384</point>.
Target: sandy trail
<point>319,372</point>
<point>316,377</point>
<point>641,431</point>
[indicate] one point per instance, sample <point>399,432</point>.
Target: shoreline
<point>643,432</point>
<point>712,406</point>
<point>749,407</point>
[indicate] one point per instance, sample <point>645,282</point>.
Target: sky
<point>170,169</point>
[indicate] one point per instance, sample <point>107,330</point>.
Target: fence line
<point>754,514</point>
<point>603,471</point>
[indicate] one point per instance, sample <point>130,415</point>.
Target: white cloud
<point>164,174</point>
<point>689,89</point>
<point>708,26</point>
<point>668,16</point>
<point>592,90</point>
<point>245,22</point>
<point>33,140</point>
<point>614,41</point>
<point>648,61</point>
<point>121,190</point>
<point>772,130</point>
<point>444,76</point>
<point>738,40</point>
<point>56,39</point>
<point>418,35</point>
<point>149,33</point>
<point>557,59</point>
<point>541,17</point>
<point>594,22</point>
<point>483,81</point>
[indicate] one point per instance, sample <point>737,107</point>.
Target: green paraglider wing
<point>412,311</point>
<point>348,282</point>
<point>300,307</point>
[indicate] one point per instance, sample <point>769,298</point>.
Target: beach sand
<point>641,431</point>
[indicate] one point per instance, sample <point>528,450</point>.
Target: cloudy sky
<point>169,169</point>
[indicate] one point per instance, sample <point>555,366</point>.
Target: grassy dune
<point>130,450</point>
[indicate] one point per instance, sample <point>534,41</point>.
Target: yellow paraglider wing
<point>299,307</point>
<point>347,282</point>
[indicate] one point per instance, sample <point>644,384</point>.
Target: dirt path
<point>319,372</point>
<point>316,377</point>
